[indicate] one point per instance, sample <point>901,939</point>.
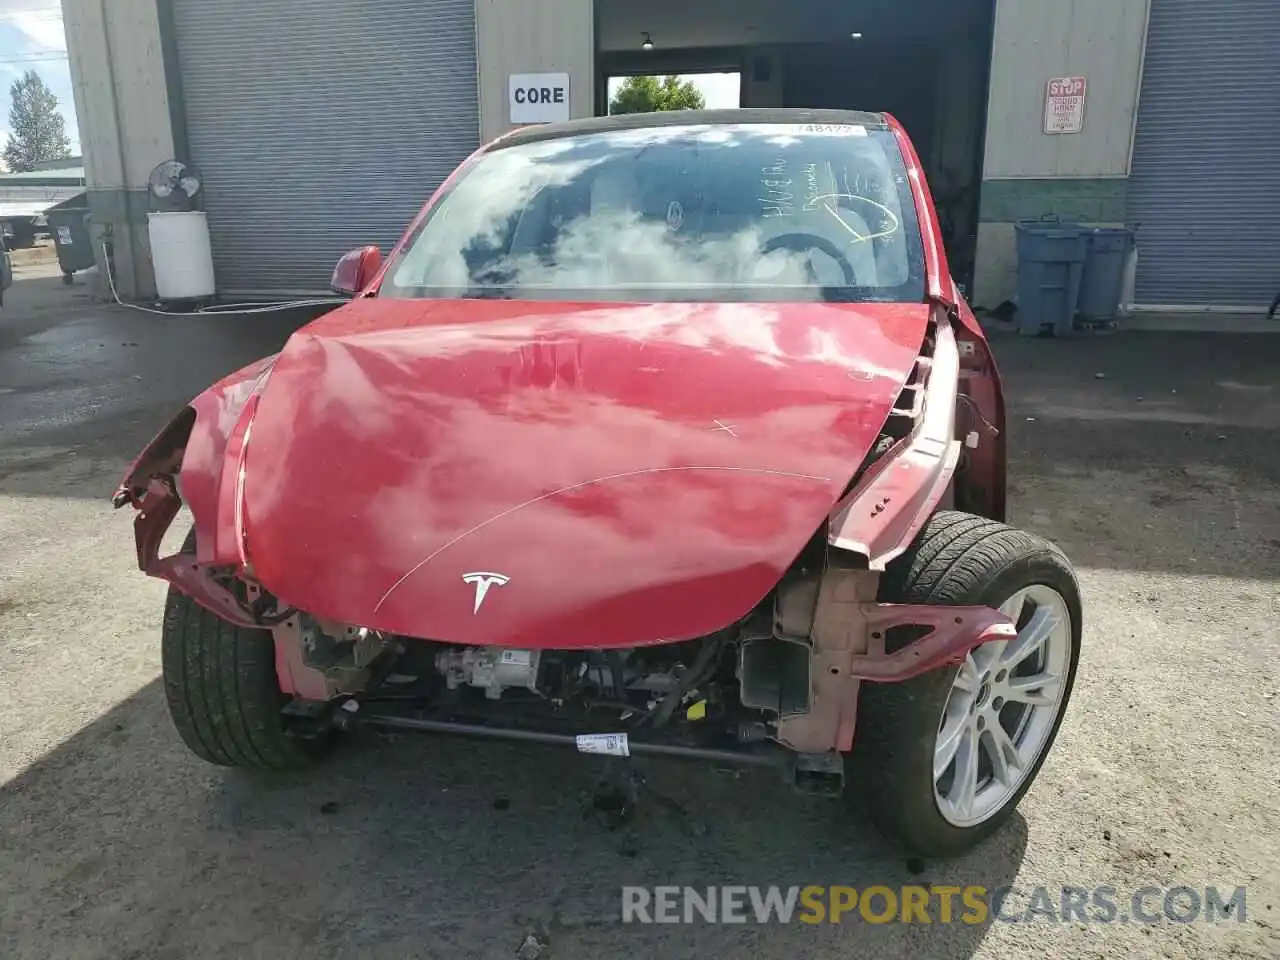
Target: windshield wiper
<point>854,295</point>
<point>488,293</point>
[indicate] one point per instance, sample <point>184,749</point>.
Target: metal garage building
<point>323,126</point>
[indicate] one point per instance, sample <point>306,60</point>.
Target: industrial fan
<point>174,184</point>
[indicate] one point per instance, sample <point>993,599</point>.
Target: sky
<point>32,38</point>
<point>720,89</point>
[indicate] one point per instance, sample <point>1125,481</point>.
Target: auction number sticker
<point>609,744</point>
<point>830,129</point>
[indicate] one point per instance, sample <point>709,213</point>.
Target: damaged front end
<point>779,686</point>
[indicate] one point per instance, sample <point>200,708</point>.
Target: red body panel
<point>211,464</point>
<point>641,473</point>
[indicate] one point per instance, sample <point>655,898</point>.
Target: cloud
<point>39,22</point>
<point>44,31</point>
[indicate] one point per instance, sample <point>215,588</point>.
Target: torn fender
<point>198,458</point>
<point>884,512</point>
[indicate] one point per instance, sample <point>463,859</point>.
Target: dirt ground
<point>1153,459</point>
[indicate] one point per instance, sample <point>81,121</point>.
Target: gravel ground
<point>1154,460</point>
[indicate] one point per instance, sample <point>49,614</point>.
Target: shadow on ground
<point>422,846</point>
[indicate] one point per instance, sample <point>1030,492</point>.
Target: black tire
<point>957,559</point>
<point>220,683</point>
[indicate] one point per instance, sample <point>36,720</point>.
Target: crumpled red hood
<point>616,474</point>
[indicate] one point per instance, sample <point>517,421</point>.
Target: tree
<point>36,129</point>
<point>648,94</point>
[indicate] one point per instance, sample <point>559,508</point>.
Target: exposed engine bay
<point>778,687</point>
<point>669,686</point>
<point>620,679</point>
<point>685,691</point>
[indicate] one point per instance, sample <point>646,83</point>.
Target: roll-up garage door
<point>1205,181</point>
<point>320,126</point>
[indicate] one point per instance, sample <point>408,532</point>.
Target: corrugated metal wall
<point>1205,180</point>
<point>321,126</point>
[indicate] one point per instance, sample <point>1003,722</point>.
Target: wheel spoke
<point>988,655</point>
<point>1006,762</point>
<point>969,679</point>
<point>949,740</point>
<point>1040,690</point>
<point>964,785</point>
<point>1030,639</point>
<point>1012,608</point>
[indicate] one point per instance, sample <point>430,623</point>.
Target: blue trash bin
<point>1102,283</point>
<point>1051,255</point>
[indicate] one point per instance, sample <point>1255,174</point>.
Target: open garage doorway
<point>715,91</point>
<point>925,61</point>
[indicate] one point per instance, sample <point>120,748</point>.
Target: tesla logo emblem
<point>482,582</point>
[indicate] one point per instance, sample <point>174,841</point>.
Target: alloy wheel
<point>1002,708</point>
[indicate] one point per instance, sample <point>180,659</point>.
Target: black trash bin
<point>69,224</point>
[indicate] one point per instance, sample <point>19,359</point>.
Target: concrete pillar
<point>763,77</point>
<point>549,36</point>
<point>118,79</point>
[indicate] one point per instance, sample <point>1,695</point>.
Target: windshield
<point>675,213</point>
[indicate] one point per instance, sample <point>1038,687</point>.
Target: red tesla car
<point>656,435</point>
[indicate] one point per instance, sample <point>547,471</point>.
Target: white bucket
<point>181,255</point>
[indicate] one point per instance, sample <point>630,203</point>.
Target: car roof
<point>681,118</point>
